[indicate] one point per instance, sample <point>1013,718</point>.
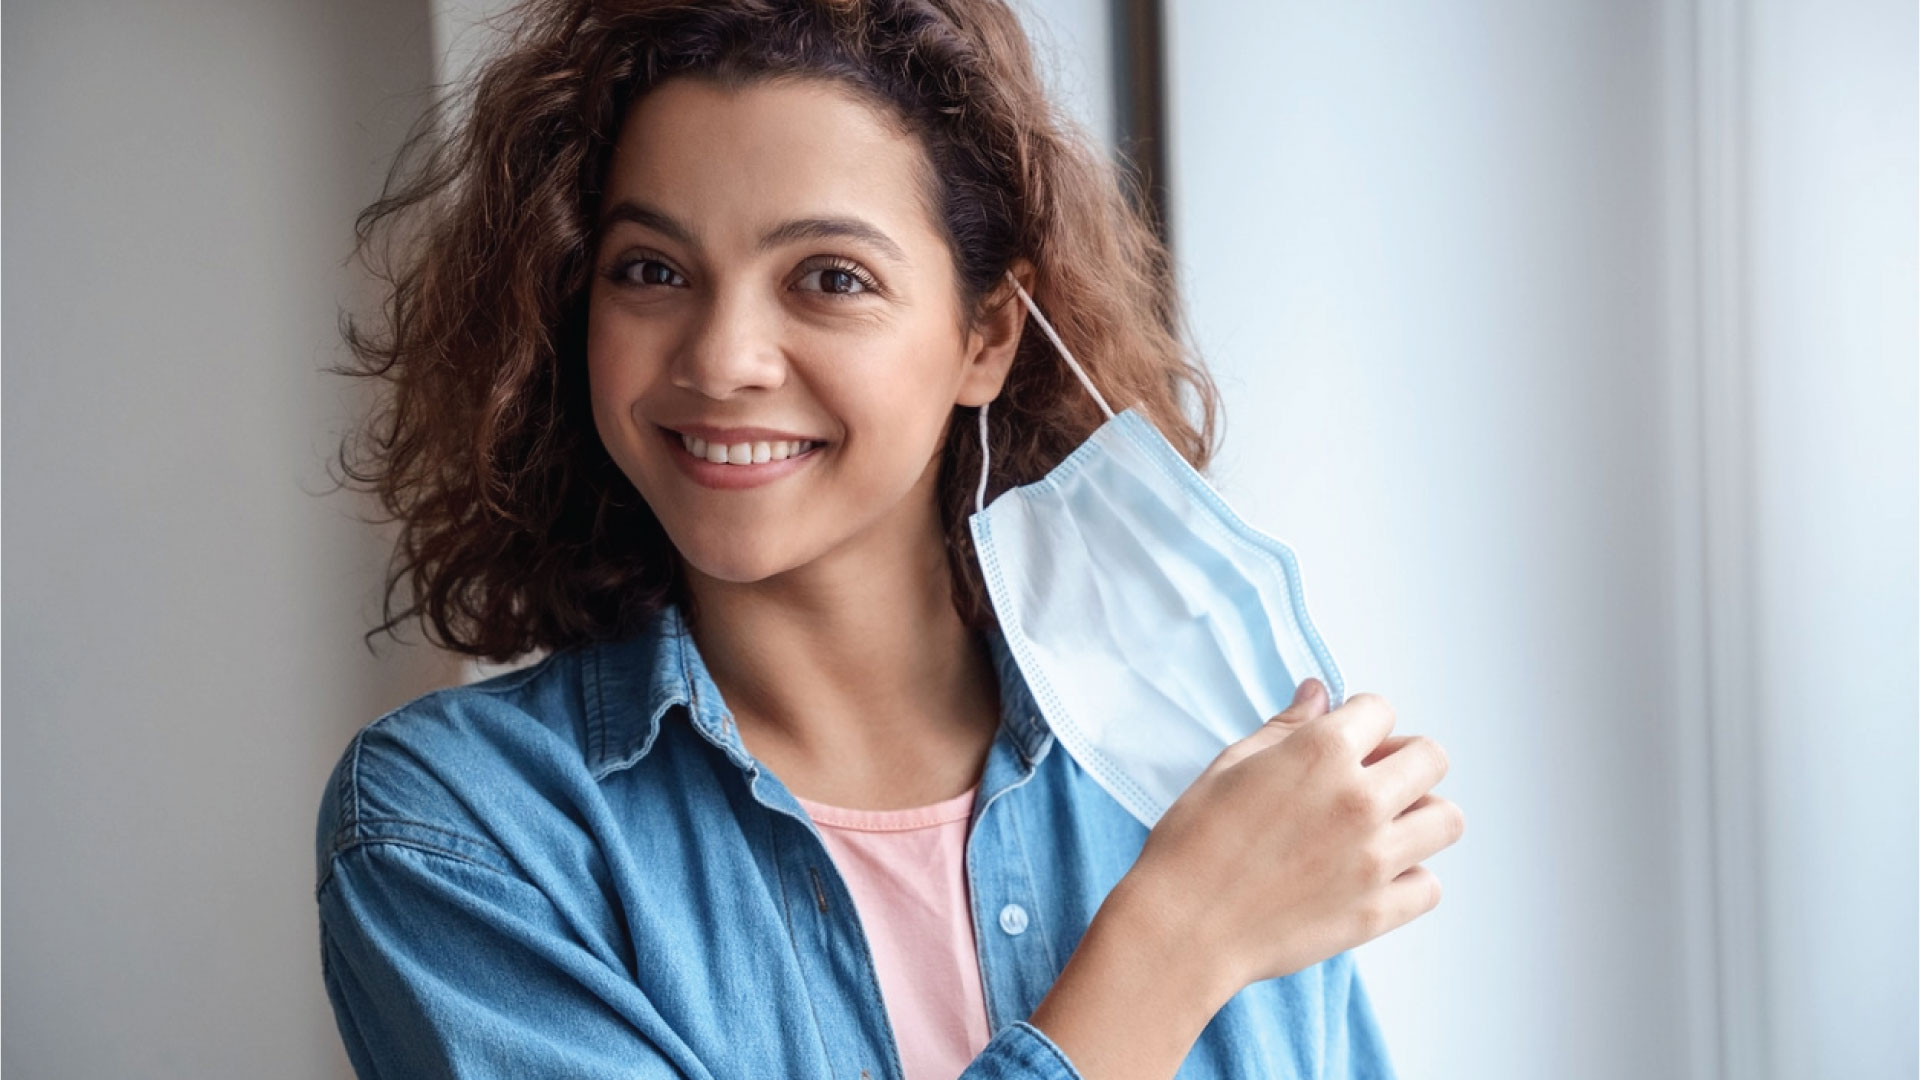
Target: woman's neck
<point>853,677</point>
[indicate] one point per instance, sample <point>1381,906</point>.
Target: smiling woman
<point>516,534</point>
<point>823,309</point>
<point>693,331</point>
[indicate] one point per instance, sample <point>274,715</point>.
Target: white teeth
<point>753,453</point>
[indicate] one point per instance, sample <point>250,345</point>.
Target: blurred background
<point>1570,344</point>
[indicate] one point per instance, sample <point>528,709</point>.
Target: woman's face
<point>774,335</point>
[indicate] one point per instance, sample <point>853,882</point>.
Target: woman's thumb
<point>1309,691</point>
<point>1309,701</point>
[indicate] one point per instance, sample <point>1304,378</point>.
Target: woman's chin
<point>738,564</point>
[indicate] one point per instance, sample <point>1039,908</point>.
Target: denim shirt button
<point>1013,919</point>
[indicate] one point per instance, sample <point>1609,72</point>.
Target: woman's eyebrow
<point>824,228</point>
<point>642,214</point>
<point>811,228</point>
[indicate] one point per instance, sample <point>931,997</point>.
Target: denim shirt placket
<point>1008,922</point>
<point>812,884</point>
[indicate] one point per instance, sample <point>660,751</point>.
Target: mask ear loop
<point>980,493</point>
<point>1046,326</point>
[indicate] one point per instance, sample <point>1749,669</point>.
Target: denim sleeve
<point>1020,1052</point>
<point>439,965</point>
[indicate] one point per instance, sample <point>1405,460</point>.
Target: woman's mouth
<point>734,465</point>
<point>745,453</point>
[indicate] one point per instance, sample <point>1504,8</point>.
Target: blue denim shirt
<point>577,870</point>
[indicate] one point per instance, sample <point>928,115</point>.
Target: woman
<point>690,325</point>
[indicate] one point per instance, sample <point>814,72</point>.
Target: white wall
<point>1073,41</point>
<point>182,619</point>
<point>1459,268</point>
<point>1831,257</point>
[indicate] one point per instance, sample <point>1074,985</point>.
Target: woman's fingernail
<point>1304,692</point>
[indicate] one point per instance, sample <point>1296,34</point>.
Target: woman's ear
<point>994,339</point>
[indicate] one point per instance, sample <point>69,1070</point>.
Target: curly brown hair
<point>517,532</point>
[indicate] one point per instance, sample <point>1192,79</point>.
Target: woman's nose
<point>734,346</point>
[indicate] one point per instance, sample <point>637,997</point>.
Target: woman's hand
<point>1300,841</point>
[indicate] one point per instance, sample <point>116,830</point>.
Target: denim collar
<point>630,686</point>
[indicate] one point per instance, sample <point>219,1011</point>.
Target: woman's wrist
<point>1136,993</point>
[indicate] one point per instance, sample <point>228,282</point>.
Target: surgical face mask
<point>1153,626</point>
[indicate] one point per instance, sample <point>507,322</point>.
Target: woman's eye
<point>837,281</point>
<point>647,272</point>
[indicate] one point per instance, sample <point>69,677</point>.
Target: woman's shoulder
<point>443,771</point>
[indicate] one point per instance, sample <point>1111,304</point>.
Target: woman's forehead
<point>731,163</point>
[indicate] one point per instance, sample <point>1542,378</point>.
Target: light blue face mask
<point>1153,626</point>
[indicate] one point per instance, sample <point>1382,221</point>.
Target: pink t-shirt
<point>907,872</point>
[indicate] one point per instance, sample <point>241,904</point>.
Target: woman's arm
<point>1132,999</point>
<point>1296,844</point>
<point>441,966</point>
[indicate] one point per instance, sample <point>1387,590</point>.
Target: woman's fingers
<point>1408,771</point>
<point>1356,728</point>
<point>1400,901</point>
<point>1387,746</point>
<point>1431,825</point>
<point>1411,895</point>
<point>1418,804</point>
